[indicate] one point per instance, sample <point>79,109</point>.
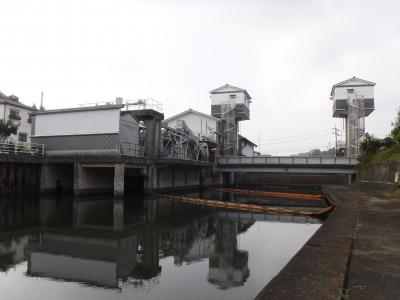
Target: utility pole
<point>259,144</point>
<point>336,133</point>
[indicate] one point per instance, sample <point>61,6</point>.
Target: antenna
<point>41,102</point>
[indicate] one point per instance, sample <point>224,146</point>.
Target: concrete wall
<point>181,177</point>
<point>91,180</point>
<point>57,176</point>
<point>129,129</point>
<point>265,179</point>
<point>78,122</point>
<point>19,178</point>
<point>380,175</point>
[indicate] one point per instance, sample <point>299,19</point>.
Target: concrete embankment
<point>354,255</point>
<point>380,176</point>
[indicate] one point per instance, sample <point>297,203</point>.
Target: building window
<point>350,91</point>
<point>14,115</point>
<point>233,96</point>
<point>22,137</point>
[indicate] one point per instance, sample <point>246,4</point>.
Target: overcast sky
<point>286,54</point>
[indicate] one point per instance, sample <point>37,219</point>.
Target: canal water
<point>141,248</point>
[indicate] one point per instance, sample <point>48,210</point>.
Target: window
<point>22,137</point>
<point>14,114</point>
<point>350,91</point>
<point>233,96</point>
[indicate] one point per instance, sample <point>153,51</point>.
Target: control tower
<point>231,105</point>
<point>353,100</point>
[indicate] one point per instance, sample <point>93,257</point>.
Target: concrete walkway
<point>354,255</point>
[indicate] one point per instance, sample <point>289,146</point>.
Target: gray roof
<point>76,109</point>
<point>246,140</point>
<point>191,111</point>
<point>4,99</point>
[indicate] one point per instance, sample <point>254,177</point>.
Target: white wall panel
<point>78,122</point>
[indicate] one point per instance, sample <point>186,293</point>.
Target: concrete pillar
<point>48,178</point>
<point>119,180</point>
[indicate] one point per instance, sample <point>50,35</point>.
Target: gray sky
<point>287,54</point>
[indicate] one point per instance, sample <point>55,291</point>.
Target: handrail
<point>288,160</point>
<point>130,149</point>
<point>7,147</point>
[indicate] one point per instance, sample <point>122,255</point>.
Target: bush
<point>370,145</point>
<point>395,133</point>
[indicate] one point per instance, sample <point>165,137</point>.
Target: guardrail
<point>287,160</point>
<point>183,154</point>
<point>21,148</point>
<point>130,149</point>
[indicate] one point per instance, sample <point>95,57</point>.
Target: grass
<point>384,155</point>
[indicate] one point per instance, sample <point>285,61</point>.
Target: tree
<point>370,145</point>
<point>7,128</point>
<point>396,127</point>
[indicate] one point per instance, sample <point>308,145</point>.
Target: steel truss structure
<point>181,143</point>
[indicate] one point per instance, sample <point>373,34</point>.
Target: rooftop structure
<point>82,130</point>
<point>230,104</point>
<point>353,100</point>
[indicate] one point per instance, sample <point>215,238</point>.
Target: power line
<point>298,135</point>
<point>296,140</point>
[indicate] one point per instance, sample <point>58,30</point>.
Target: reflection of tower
<point>228,266</point>
<point>353,99</point>
<point>231,105</point>
<point>148,255</point>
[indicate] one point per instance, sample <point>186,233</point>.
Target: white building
<point>202,125</point>
<point>232,105</point>
<point>246,147</point>
<point>12,109</point>
<point>96,129</point>
<point>228,93</point>
<point>353,100</point>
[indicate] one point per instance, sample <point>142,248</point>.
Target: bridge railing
<point>7,147</point>
<point>287,160</point>
<point>130,149</point>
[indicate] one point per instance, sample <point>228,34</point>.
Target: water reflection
<point>114,243</point>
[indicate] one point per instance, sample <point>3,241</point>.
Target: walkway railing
<point>130,149</point>
<point>287,160</point>
<point>21,148</point>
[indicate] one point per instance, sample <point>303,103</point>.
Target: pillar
<point>119,180</point>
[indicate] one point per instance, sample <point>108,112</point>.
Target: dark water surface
<point>135,248</point>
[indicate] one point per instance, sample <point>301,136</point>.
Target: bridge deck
<point>286,164</point>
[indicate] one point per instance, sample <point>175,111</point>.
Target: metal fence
<point>21,148</point>
<point>287,160</point>
<point>182,153</point>
<point>130,149</point>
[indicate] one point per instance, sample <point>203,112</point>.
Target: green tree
<point>370,145</point>
<point>7,128</point>
<point>396,127</point>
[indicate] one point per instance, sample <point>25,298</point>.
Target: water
<point>102,248</point>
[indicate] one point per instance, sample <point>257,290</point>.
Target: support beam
<point>119,180</point>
